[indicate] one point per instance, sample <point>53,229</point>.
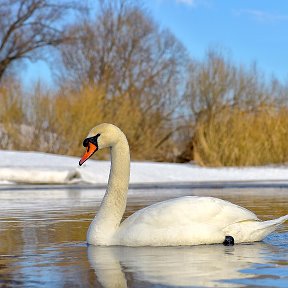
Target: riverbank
<point>43,168</point>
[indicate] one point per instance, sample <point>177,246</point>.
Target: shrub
<point>235,137</point>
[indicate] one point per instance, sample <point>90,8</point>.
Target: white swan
<point>182,221</point>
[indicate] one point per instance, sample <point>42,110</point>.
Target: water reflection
<point>42,243</point>
<point>208,266</point>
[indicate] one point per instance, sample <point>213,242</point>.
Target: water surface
<point>42,244</point>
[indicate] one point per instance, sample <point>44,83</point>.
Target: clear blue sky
<point>251,30</point>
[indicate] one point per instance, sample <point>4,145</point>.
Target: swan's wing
<point>186,210</point>
<point>182,219</point>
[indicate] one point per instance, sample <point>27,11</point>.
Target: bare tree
<point>28,25</point>
<point>222,96</point>
<point>124,51</point>
<point>217,82</point>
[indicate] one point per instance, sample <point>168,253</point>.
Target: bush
<point>12,116</point>
<point>58,122</point>
<point>235,137</point>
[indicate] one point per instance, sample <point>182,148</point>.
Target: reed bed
<point>58,122</point>
<point>235,137</point>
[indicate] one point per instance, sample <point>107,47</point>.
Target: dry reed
<point>234,137</point>
<point>58,123</point>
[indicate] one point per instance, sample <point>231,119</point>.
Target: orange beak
<point>90,150</point>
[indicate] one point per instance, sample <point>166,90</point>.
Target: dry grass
<point>58,123</point>
<point>234,137</point>
<point>76,113</point>
<point>11,116</point>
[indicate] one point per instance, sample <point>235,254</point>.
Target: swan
<point>189,220</point>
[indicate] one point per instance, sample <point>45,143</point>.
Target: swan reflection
<point>174,266</point>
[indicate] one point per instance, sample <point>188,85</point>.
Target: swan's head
<point>101,136</point>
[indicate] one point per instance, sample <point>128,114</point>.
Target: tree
<point>123,51</point>
<point>233,109</point>
<point>28,25</point>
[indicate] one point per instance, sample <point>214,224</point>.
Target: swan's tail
<point>275,222</point>
<point>266,227</point>
<point>251,230</point>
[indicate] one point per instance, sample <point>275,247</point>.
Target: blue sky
<point>250,30</point>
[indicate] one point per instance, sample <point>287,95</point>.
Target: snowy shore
<point>43,168</point>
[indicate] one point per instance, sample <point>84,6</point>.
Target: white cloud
<point>187,2</point>
<point>195,3</point>
<point>263,16</point>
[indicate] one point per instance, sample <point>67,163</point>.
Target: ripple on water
<point>42,243</point>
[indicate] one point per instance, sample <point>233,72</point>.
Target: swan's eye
<point>92,140</point>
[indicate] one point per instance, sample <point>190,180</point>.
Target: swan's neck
<point>108,218</point>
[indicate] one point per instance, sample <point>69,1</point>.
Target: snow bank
<point>34,167</point>
<point>38,168</point>
<point>38,176</point>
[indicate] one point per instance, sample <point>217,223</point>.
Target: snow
<point>44,168</point>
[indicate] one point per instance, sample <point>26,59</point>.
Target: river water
<point>43,231</point>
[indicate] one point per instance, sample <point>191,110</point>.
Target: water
<point>42,244</point>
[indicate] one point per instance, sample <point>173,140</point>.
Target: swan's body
<point>181,221</point>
